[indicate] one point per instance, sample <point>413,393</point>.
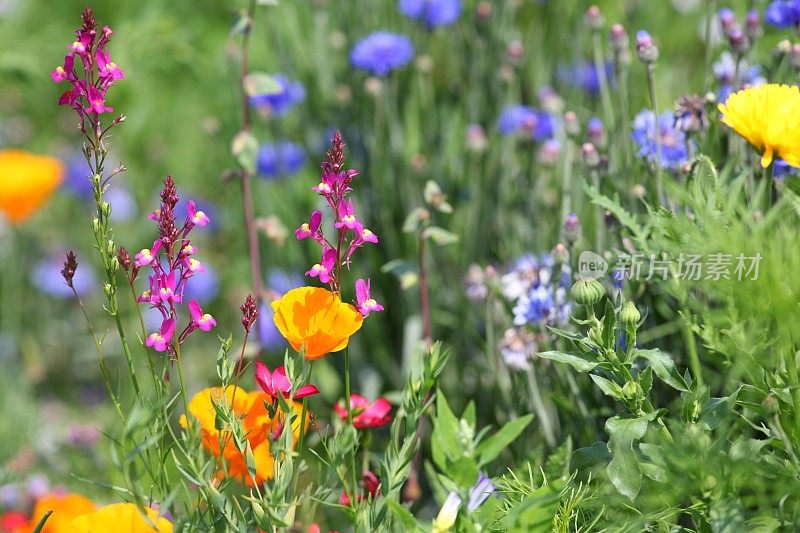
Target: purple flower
<point>382,52</point>
<point>517,348</point>
<point>432,13</point>
<point>535,307</point>
<point>182,212</point>
<point>364,302</point>
<point>280,159</point>
<point>46,276</point>
<point>673,141</point>
<point>583,75</point>
<point>278,104</point>
<point>526,120</point>
<point>480,492</point>
<point>783,13</point>
<point>724,71</point>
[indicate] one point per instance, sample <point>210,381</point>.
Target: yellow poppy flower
<point>26,182</point>
<point>768,116</point>
<point>120,518</point>
<point>65,508</point>
<point>315,319</point>
<point>258,427</point>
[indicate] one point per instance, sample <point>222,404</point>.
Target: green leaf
<point>490,448</point>
<point>402,514</point>
<point>623,470</point>
<point>664,367</point>
<point>593,455</point>
<point>260,83</point>
<point>41,523</point>
<point>608,387</point>
<point>444,440</point>
<point>534,513</point>
<point>581,362</point>
<point>439,236</point>
<point>646,380</point>
<point>463,471</point>
<point>414,219</point>
<point>245,149</point>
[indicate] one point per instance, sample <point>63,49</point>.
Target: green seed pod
<point>588,292</point>
<point>631,389</point>
<point>630,316</point>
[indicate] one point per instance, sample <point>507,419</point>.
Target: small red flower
<point>366,415</point>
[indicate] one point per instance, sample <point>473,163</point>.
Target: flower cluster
<point>382,52</point>
<point>674,147</point>
<point>783,14</point>
<point>88,93</point>
<point>351,234</point>
<point>585,76</point>
<point>725,71</point>
<point>171,260</point>
<point>432,13</point>
<point>536,296</point>
<point>527,122</point>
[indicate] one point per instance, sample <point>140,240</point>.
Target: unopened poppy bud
<point>588,292</point>
<point>646,49</point>
<point>629,315</point>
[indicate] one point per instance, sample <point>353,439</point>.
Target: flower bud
<point>629,315</point>
<point>105,209</point>
<point>560,254</point>
<point>571,125</point>
<point>727,19</point>
<point>594,18</point>
<point>782,48</point>
<point>596,133</point>
<point>110,248</point>
<point>114,264</point>
<point>795,55</point>
<point>588,292</point>
<point>572,229</point>
<point>95,225</point>
<point>514,51</point>
<point>476,140</point>
<point>739,42</point>
<point>752,25</point>
<point>484,10</point>
<point>631,390</point>
<point>590,156</point>
<point>548,152</point>
<point>108,290</point>
<point>646,49</point>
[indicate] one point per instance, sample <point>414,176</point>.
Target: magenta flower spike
<point>203,321</point>
<point>324,269</point>
<point>167,288</point>
<point>276,382</point>
<point>364,302</point>
<point>160,341</point>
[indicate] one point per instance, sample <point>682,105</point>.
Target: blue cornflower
<point>279,283</point>
<point>280,159</point>
<point>76,179</point>
<point>46,276</point>
<point>431,12</point>
<point>783,13</point>
<point>725,69</point>
<point>478,494</point>
<point>381,52</point>
<point>583,75</point>
<point>673,142</point>
<point>527,120</point>
<point>535,307</point>
<point>292,92</point>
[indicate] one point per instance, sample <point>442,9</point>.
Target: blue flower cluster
<point>280,159</point>
<point>381,52</point>
<point>725,70</point>
<point>526,120</point>
<point>432,13</point>
<point>783,13</point>
<point>584,75</point>
<point>674,152</point>
<point>278,104</point>
<point>536,296</point>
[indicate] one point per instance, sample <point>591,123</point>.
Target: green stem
<point>566,180</point>
<point>768,187</point>
<point>177,346</point>
<point>354,480</point>
<point>691,345</point>
<point>600,67</point>
<point>709,19</point>
<point>794,384</point>
<point>651,88</point>
<point>598,216</point>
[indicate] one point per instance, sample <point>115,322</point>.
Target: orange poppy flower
<point>26,182</point>
<point>257,424</point>
<point>315,319</point>
<point>65,507</point>
<point>120,518</point>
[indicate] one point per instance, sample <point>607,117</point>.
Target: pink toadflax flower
<point>160,341</point>
<point>324,269</point>
<point>276,382</point>
<point>197,218</point>
<point>203,321</point>
<point>194,266</point>
<point>97,103</point>
<point>309,228</point>
<point>366,415</point>
<point>364,302</point>
<point>145,256</point>
<point>107,68</point>
<point>347,216</point>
